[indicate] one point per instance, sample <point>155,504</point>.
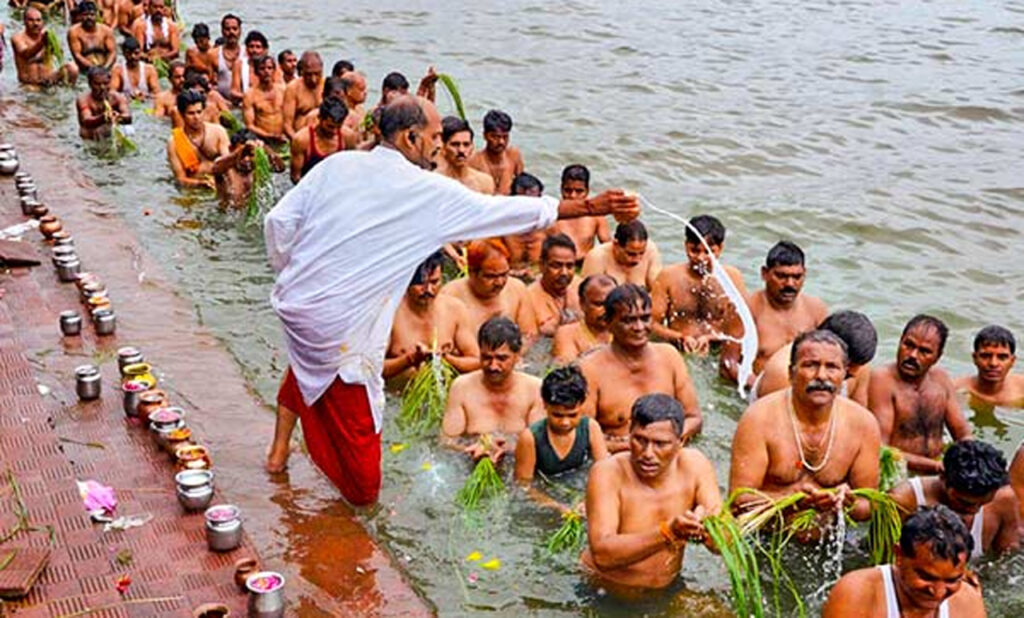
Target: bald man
<point>303,95</point>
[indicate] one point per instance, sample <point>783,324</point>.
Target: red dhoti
<point>340,436</point>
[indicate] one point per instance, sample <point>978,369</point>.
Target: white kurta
<point>345,242</point>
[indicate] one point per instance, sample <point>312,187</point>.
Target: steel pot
<point>166,419</point>
<point>28,203</point>
<point>38,211</point>
<point>26,187</point>
<point>223,527</point>
<point>62,251</point>
<point>8,148</point>
<point>87,382</point>
<point>63,239</point>
<point>266,594</point>
<point>131,391</point>
<point>22,177</point>
<point>8,165</point>
<point>70,323</point>
<point>68,269</point>
<point>195,489</point>
<point>149,402</point>
<point>128,355</point>
<point>104,321</point>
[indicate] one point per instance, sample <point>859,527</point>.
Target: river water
<point>882,137</point>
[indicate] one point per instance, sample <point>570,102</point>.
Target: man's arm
<point>289,108</point>
<point>864,471</point>
<point>179,170</point>
<point>526,456</point>
<point>686,395</point>
<point>110,43</point>
<point>661,303</point>
<point>903,495</point>
<point>525,316</point>
<point>225,162</point>
<point>880,403</point>
<point>598,447</point>
<point>653,264</point>
<point>850,597</point>
<point>562,346</point>
<point>466,356</point>
<point>75,45</point>
<point>1008,534</point>
<point>749,460</point>
<point>25,48</point>
<point>237,94</point>
<point>174,50</point>
<point>603,230</point>
<point>957,424</point>
<point>453,425</point>
<point>152,80</point>
<point>86,118</point>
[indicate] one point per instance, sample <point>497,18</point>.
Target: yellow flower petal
<point>426,465</point>
<point>491,565</point>
<point>399,447</point>
<point>475,556</point>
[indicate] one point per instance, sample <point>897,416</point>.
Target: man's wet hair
<point>258,37</point>
<point>450,125</point>
<point>818,336</point>
<point>565,387</point>
<point>341,67</point>
<point>655,408</point>
<point>556,240</point>
<point>709,227</point>
<point>259,61</point>
<point>497,120</point>
<point>478,250</point>
<point>856,331</point>
<point>941,530</point>
<point>784,253</point>
<point>626,296</point>
<point>200,31</point>
<point>499,331</point>
<point>224,20</point>
<point>242,136</point>
<point>597,279</point>
<point>195,78</point>
<point>187,98</point>
<point>399,115</point>
<point>283,54</point>
<point>333,85</point>
<point>334,109</point>
<point>427,266</point>
<point>576,172</point>
<point>306,56</point>
<point>995,335</point>
<point>974,468</point>
<point>130,44</point>
<point>930,321</point>
<point>97,72</point>
<point>524,182</point>
<point>394,81</point>
<point>629,231</point>
<point>86,6</point>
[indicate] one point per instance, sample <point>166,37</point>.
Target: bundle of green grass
<point>261,194</point>
<point>425,397</point>
<point>484,483</point>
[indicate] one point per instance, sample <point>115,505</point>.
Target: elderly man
<point>305,94</point>
<point>645,505</point>
<point>34,63</point>
<point>554,295</point>
<point>630,257</point>
<point>995,352</point>
<point>157,33</point>
<point>100,109</point>
<point>263,104</point>
<point>314,143</point>
<point>91,43</point>
<point>499,160</point>
<point>134,79</point>
<point>575,339</point>
<point>457,137</point>
<point>914,400</point>
<point>930,577</point>
<point>193,148</point>
<point>337,302</point>
<point>632,366</point>
<point>582,231</point>
<point>975,485</point>
<point>234,171</point>
<point>354,93</point>
<point>833,441</point>
<point>780,311</point>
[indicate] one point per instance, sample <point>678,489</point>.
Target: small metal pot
<point>38,211</point>
<point>92,288</point>
<point>195,489</point>
<point>223,527</point>
<point>85,279</point>
<point>22,177</point>
<point>139,371</point>
<point>63,239</point>
<point>167,419</point>
<point>68,269</point>
<point>8,165</point>
<point>49,225</point>
<point>104,321</point>
<point>150,401</point>
<point>131,391</point>
<point>265,601</point>
<point>87,382</point>
<point>128,355</point>
<point>8,149</point>
<point>62,251</point>
<point>28,203</point>
<point>26,187</point>
<point>70,323</point>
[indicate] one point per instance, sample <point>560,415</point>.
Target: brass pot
<point>49,225</point>
<point>149,402</point>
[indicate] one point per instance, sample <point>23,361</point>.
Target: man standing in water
<point>930,577</point>
<point>166,102</point>
<point>127,12</point>
<point>457,137</point>
<point>34,64</point>
<point>630,258</point>
<point>288,62</point>
<point>354,85</point>
<point>554,294</point>
<point>134,79</point>
<point>632,366</point>
<point>914,400</point>
<point>524,249</point>
<point>314,143</point>
<point>805,438</point>
<point>92,44</point>
<point>645,505</point>
<point>197,58</point>
<point>100,109</point>
<point>223,58</point>
<point>995,352</point>
<point>193,148</point>
<point>233,171</point>
<point>575,339</point>
<point>499,160</point>
<point>337,302</point>
<point>303,95</point>
<point>157,34</point>
<point>263,105</point>
<point>582,231</point>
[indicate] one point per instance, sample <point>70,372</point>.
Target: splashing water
<point>832,567</point>
<point>748,344</point>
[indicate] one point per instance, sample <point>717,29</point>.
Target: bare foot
<point>277,461</point>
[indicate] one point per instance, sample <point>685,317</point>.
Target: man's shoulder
<point>456,287</point>
<point>858,588</point>
<point>862,418</point>
<point>527,381</point>
<point>516,286</point>
<point>767,406</point>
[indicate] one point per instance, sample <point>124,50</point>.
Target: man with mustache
<point>995,352</point>
<point>223,58</point>
<point>32,61</point>
<point>914,400</point>
<point>630,257</point>
<point>487,406</point>
<point>780,311</point>
<point>499,160</point>
<point>929,578</point>
<point>806,439</point>
<point>91,43</point>
<point>553,296</point>
<point>577,338</point>
<point>457,137</point>
<point>157,33</point>
<point>632,366</point>
<point>426,319</point>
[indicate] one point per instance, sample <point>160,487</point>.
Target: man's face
<point>133,57</point>
<point>177,78</point>
<point>422,294</point>
<point>497,141</point>
<point>99,86</point>
<point>193,116</point>
<point>592,305</point>
<point>631,326</point>
<point>652,449</point>
<point>994,362</point>
<point>558,269</point>
<point>202,43</point>
<point>231,30</point>
<point>88,18</point>
<point>964,504</point>
<point>631,254</point>
<point>700,260</point>
<point>458,149</point>
<point>33,22</point>
<point>154,8</point>
<point>574,190</point>
<point>926,580</point>
<point>312,73</point>
<point>817,373</point>
<point>497,363</point>
<point>265,72</point>
<point>244,163</point>
<point>288,64</point>
<point>563,420</point>
<point>356,93</point>
<point>490,279</point>
<point>327,127</point>
<point>255,49</point>
<point>427,147</point>
<point>782,284</point>
<point>918,351</point>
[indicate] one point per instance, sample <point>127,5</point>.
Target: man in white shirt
<point>345,242</point>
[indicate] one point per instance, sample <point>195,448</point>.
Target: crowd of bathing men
<point>620,396</point>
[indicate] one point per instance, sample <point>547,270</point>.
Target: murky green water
<point>884,138</point>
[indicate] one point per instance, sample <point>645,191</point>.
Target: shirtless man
<point>133,78</point>
<point>107,10</point>
<point>646,504</point>
<point>193,149</point>
<point>166,103</point>
<point>457,137</point>
<point>313,144</point>
<point>861,339</point>
<point>223,58</point>
<point>354,85</point>
<point>263,105</point>
<point>215,104</point>
<point>31,59</point>
<point>689,308</point>
<point>424,317</point>
<point>630,258</point>
<point>488,291</point>
<point>554,294</point>
<point>576,186</point>
<point>128,11</point>
<point>524,249</point>
<point>914,401</point>
<point>197,57</point>
<point>92,44</point>
<point>288,62</point>
<point>632,366</point>
<point>244,75</point>
<point>157,34</point>
<point>100,109</point>
<point>501,161</point>
<point>995,352</point>
<point>974,484</point>
<point>495,400</point>
<point>834,441</point>
<point>929,578</point>
<point>780,312</point>
<point>1017,478</point>
<point>305,94</point>
<point>233,171</point>
<point>577,338</point>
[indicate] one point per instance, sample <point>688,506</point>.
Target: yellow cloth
<point>186,151</point>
